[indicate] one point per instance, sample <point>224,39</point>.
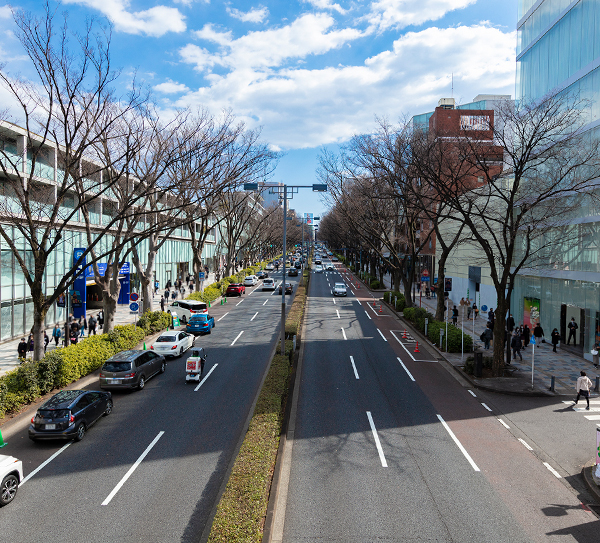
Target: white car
<point>250,281</point>
<point>269,267</point>
<point>318,269</point>
<point>339,289</point>
<point>330,267</point>
<point>173,343</point>
<point>268,284</point>
<point>11,473</point>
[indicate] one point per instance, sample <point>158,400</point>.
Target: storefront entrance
<point>566,313</point>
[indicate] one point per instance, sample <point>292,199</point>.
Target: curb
<point>590,481</point>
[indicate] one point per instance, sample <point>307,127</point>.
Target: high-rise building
<point>558,50</point>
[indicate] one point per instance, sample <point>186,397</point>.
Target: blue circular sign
<point>484,308</point>
<point>134,297</point>
<point>134,306</point>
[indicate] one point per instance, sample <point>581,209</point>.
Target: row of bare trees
<point>513,199</point>
<point>103,170</point>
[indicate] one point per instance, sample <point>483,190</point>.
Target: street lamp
<point>285,191</point>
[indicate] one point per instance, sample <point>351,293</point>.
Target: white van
<point>186,308</point>
<point>268,284</point>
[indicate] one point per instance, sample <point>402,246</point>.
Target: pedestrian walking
<point>56,334</point>
<point>596,353</point>
<point>454,315</point>
<point>427,291</point>
<point>92,325</point>
<point>572,329</point>
<point>46,341</point>
<point>516,346</point>
<point>101,319</point>
<point>555,337</point>
<point>82,326</point>
<point>491,316</point>
<point>22,348</point>
<point>475,311</point>
<point>73,336</point>
<point>173,295</point>
<point>30,343</point>
<point>167,294</point>
<point>525,334</point>
<point>486,337</point>
<point>510,323</point>
<point>583,389</point>
<point>162,303</point>
<point>538,334</point>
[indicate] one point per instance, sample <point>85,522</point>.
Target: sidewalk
<point>563,365</point>
<point>8,350</point>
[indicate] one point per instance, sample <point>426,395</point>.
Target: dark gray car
<point>131,369</point>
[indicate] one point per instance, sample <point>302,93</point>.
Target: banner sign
<point>531,312</point>
<point>309,218</point>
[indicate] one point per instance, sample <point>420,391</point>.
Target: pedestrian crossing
<point>580,408</point>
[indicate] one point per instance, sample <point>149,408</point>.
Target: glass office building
<point>558,49</point>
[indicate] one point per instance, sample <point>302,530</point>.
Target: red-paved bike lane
<point>526,485</point>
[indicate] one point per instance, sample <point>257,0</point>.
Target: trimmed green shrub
<point>398,296</point>
<point>375,284</point>
<point>417,315</point>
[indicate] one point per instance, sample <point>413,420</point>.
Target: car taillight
<point>174,347</point>
<point>129,375</point>
<point>71,419</point>
<point>152,347</point>
<point>192,311</point>
<point>33,419</point>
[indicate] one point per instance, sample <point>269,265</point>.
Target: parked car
<point>262,274</point>
<point>186,308</point>
<point>268,284</point>
<point>339,289</point>
<point>200,324</point>
<point>11,473</point>
<point>318,269</point>
<point>131,369</point>
<point>250,280</point>
<point>288,288</point>
<point>69,414</point>
<point>235,289</point>
<point>173,343</point>
<point>293,272</point>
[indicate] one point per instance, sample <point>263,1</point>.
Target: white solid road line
<point>552,470</point>
<point>376,438</point>
<point>381,334</point>
<point>344,333</point>
<point>207,375</point>
<point>132,469</point>
<point>459,444</point>
<point>402,345</point>
<point>472,394</point>
<point>368,316</point>
<point>43,464</point>
<point>223,316</point>
<point>504,424</point>
<point>406,369</point>
<point>354,367</point>
<point>254,316</point>
<point>266,301</point>
<point>525,444</point>
<point>238,337</point>
<point>486,407</point>
<point>338,313</point>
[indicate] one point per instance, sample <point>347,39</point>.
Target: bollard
<point>395,302</point>
<point>381,309</point>
<point>552,381</point>
<point>597,387</point>
<point>405,335</point>
<point>208,305</point>
<point>2,444</point>
<point>221,301</point>
<point>417,348</point>
<point>478,364</point>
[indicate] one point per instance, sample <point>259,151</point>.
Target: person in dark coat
<point>46,340</point>
<point>510,323</point>
<point>454,315</point>
<point>538,333</point>
<point>92,325</point>
<point>525,334</point>
<point>22,348</point>
<point>101,319</point>
<point>572,330</point>
<point>555,335</point>
<point>516,346</point>
<point>30,342</point>
<point>162,303</point>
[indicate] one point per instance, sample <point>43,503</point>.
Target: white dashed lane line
<point>238,337</point>
<point>254,316</point>
<point>381,334</point>
<point>354,367</point>
<point>344,333</point>
<point>223,316</point>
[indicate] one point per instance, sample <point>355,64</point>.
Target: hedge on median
<point>396,296</point>
<point>417,315</point>
<point>60,367</point>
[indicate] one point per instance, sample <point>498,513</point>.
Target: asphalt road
<point>188,434</point>
<point>390,446</point>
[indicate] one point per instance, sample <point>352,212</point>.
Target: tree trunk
<point>147,288</point>
<point>499,336</point>
<point>397,274</point>
<point>439,312</point>
<point>197,268</point>
<point>38,333</point>
<point>109,308</point>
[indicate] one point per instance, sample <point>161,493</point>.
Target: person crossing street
<point>583,389</point>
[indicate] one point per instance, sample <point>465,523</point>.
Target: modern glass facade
<point>559,50</point>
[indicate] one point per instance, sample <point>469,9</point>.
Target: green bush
<point>417,315</point>
<point>375,284</point>
<point>398,296</point>
<point>470,364</point>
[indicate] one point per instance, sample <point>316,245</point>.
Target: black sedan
<point>69,414</point>
<point>262,274</point>
<point>288,288</point>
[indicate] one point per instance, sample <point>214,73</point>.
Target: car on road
<point>270,267</point>
<point>250,280</point>
<point>173,343</point>
<point>318,269</point>
<point>339,289</point>
<point>298,264</point>
<point>268,284</point>
<point>11,474</point>
<point>334,258</point>
<point>186,308</point>
<point>131,369</point>
<point>318,261</point>
<point>200,324</point>
<point>262,274</point>
<point>288,288</point>
<point>330,267</point>
<point>69,414</point>
<point>293,272</point>
<point>235,289</point>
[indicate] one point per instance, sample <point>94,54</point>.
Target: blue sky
<point>310,73</point>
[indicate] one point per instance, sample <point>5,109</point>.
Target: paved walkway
<point>8,349</point>
<point>563,365</point>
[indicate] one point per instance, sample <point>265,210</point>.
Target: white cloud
<point>156,21</point>
<point>325,5</point>
<point>209,33</point>
<point>386,14</point>
<point>255,15</point>
<point>301,108</point>
<point>5,12</point>
<point>171,87</point>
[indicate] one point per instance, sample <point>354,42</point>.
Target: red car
<point>235,289</point>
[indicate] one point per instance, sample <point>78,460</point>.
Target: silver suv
<point>131,369</point>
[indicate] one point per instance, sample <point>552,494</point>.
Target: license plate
<point>113,381</point>
<point>50,426</point>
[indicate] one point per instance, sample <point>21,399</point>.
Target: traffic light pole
<point>284,262</point>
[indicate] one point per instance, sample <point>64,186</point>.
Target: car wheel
<point>109,408</point>
<point>8,489</point>
<point>210,330</point>
<point>184,319</point>
<point>180,351</point>
<point>142,383</point>
<point>80,432</point>
<point>163,367</point>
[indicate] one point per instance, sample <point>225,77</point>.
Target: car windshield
<point>116,366</point>
<point>166,339</point>
<point>199,318</point>
<point>340,285</point>
<point>53,413</point>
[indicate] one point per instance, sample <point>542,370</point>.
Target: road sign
<point>201,276</point>
<point>425,273</point>
<point>134,296</point>
<point>134,306</point>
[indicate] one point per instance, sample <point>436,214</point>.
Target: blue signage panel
<point>134,306</point>
<point>79,292</point>
<point>201,275</point>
